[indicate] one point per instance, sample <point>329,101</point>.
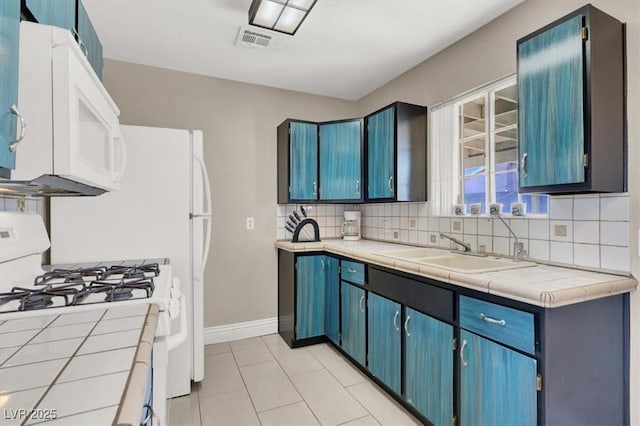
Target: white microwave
<point>72,144</point>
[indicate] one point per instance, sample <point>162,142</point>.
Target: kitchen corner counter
<point>543,285</point>
<point>74,368</point>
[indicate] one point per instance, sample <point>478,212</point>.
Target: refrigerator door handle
<point>207,213</point>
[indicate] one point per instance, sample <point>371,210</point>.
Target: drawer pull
<point>395,321</point>
<point>351,270</point>
<point>464,345</point>
<point>360,304</point>
<point>492,320</point>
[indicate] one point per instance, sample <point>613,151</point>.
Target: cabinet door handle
<point>360,304</point>
<point>395,321</point>
<point>23,127</point>
<point>351,270</point>
<point>406,326</point>
<point>322,265</point>
<point>390,183</point>
<point>80,42</point>
<point>523,165</point>
<point>492,320</point>
<point>464,345</point>
<point>358,187</point>
<point>315,188</point>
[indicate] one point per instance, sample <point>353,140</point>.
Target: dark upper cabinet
<point>9,39</point>
<point>341,146</point>
<point>571,105</point>
<point>297,161</point>
<point>71,15</point>
<point>396,148</point>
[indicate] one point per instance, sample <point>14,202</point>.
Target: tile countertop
<point>70,369</point>
<point>542,285</point>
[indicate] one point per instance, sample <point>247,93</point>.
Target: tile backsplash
<point>589,231</point>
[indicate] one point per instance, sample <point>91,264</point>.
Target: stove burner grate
<point>135,271</point>
<point>73,276</point>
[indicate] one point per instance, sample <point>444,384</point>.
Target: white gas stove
<point>28,289</point>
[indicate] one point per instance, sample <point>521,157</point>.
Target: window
<point>485,150</point>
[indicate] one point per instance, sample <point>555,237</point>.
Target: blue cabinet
<point>384,349</point>
<point>332,299</point>
<point>9,49</point>
<point>396,146</point>
<point>380,154</point>
<point>353,307</point>
<point>341,160</point>
<point>297,161</point>
<point>70,15</point>
<point>310,296</point>
<point>571,105</point>
<point>497,384</point>
<point>429,366</point>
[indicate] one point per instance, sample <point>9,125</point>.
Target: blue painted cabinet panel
<point>303,161</point>
<point>310,296</point>
<point>506,325</point>
<point>353,309</point>
<point>59,13</point>
<point>429,366</point>
<point>497,385</point>
<point>90,39</point>
<point>352,271</point>
<point>551,106</point>
<point>332,299</point>
<point>9,49</point>
<point>341,160</point>
<point>384,340</point>
<point>380,149</point>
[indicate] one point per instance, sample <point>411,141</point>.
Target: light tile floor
<point>261,381</point>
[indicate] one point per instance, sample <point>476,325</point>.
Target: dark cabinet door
<point>9,50</point>
<point>384,340</point>
<point>341,160</point>
<point>551,104</point>
<point>381,154</point>
<point>354,322</point>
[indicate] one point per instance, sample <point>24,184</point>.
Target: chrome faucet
<point>466,247</point>
<point>518,248</point>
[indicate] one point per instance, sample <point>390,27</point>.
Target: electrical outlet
<point>250,224</point>
<point>396,235</point>
<point>412,223</point>
<point>457,225</point>
<point>560,230</point>
<point>433,239</point>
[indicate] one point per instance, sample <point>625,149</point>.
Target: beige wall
<point>488,54</point>
<point>239,124</point>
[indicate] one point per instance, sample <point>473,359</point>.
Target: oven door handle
<point>177,339</point>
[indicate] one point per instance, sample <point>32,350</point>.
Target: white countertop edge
<point>546,299</point>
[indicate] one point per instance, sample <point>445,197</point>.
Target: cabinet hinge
<point>339,269</point>
<point>538,382</point>
<point>585,33</point>
<point>455,343</point>
<point>295,266</point>
<point>454,421</point>
<point>585,160</point>
<point>289,190</point>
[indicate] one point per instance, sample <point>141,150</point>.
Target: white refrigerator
<point>162,210</point>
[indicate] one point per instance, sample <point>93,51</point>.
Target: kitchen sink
<point>416,253</point>
<point>444,259</point>
<point>471,264</point>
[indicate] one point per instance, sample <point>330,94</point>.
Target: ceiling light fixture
<point>284,16</point>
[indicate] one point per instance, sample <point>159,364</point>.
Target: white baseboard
<point>240,330</point>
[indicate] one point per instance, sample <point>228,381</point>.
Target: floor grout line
<point>246,389</point>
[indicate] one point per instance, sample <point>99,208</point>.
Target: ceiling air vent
<point>249,37</point>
